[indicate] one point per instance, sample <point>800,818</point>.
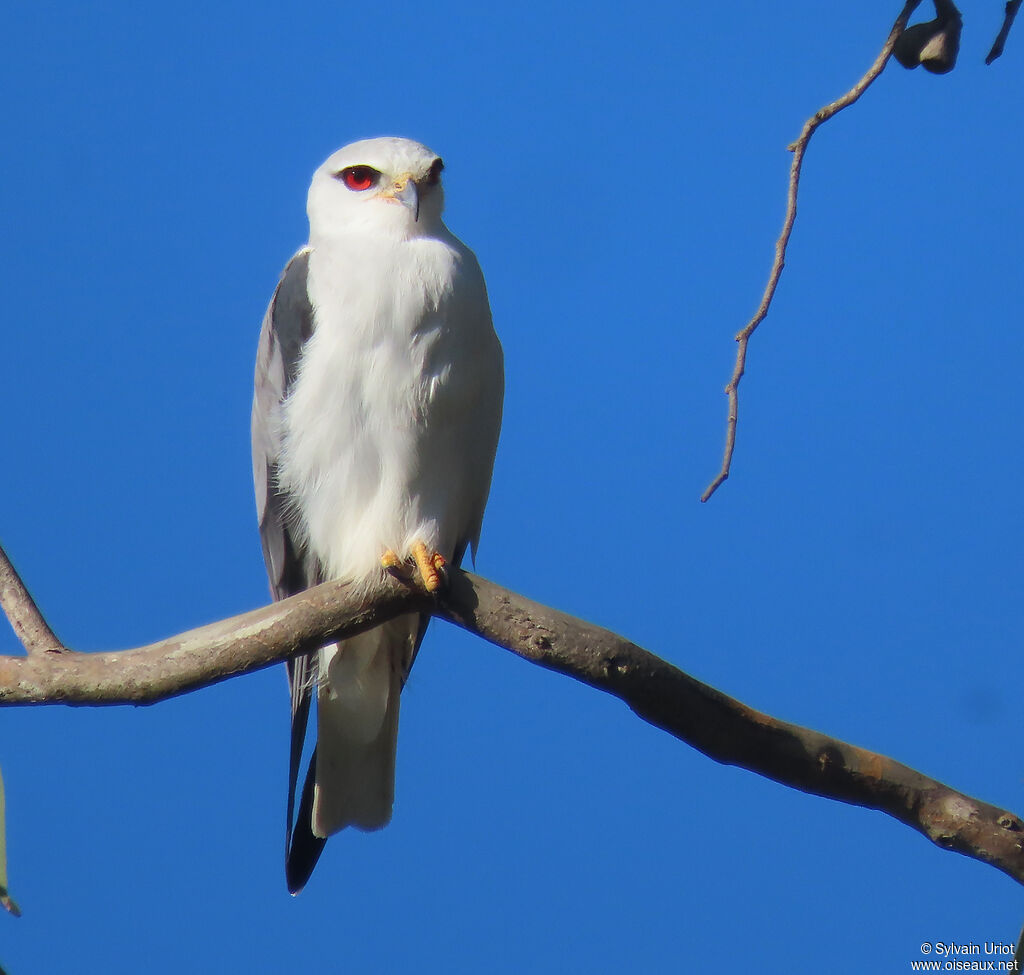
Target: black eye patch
<point>434,176</point>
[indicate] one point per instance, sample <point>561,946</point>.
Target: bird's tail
<point>357,706</point>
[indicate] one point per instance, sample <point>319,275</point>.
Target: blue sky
<point>620,173</point>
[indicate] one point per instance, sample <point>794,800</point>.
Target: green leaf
<point>6,901</point>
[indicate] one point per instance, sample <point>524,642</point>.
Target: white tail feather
<point>357,707</point>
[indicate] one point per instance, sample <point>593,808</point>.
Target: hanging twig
<point>798,149</point>
<point>1012,7</point>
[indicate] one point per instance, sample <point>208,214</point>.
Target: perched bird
<point>379,384</point>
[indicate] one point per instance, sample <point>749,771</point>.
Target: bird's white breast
<point>383,440</point>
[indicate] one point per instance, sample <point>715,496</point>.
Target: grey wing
<point>287,325</point>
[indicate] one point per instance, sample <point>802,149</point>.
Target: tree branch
<point>798,149</point>
<point>717,725</point>
<point>1012,6</point>
<point>210,654</point>
<point>21,609</point>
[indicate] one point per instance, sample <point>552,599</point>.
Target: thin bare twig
<point>1012,6</point>
<point>7,902</point>
<point>21,609</point>
<point>798,149</point>
<point>719,726</point>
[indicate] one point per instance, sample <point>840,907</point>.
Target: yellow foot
<point>430,565</point>
<point>394,566</point>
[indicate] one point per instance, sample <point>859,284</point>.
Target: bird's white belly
<point>376,423</point>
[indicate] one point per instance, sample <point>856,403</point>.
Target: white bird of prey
<point>379,384</point>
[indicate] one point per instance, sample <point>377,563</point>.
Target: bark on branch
<point>208,655</point>
<point>719,726</point>
<point>21,609</point>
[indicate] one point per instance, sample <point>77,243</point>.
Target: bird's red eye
<point>359,177</point>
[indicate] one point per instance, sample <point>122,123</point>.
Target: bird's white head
<point>389,186</point>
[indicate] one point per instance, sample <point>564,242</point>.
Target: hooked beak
<point>404,190</point>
